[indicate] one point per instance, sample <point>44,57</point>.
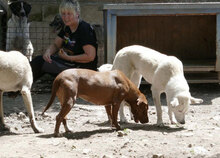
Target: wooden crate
<point>189,31</point>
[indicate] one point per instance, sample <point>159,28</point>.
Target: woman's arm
<point>88,56</point>
<point>54,47</point>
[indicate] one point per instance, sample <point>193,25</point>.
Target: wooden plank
<point>199,65</point>
<point>140,9</point>
<point>159,6</point>
<point>218,42</point>
<point>203,77</point>
<point>194,81</point>
<point>111,37</point>
<point>199,68</point>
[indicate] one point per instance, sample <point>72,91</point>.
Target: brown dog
<point>103,88</point>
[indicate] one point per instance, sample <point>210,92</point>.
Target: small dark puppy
<point>57,23</point>
<point>108,88</point>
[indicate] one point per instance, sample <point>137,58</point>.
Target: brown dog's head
<point>140,109</point>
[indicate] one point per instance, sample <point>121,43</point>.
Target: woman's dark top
<point>74,42</point>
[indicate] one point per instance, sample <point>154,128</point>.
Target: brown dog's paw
<point>116,128</point>
<point>69,132</point>
<point>57,135</point>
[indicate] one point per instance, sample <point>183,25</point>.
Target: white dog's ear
<point>195,100</point>
<point>174,102</point>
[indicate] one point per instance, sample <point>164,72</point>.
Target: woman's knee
<point>37,61</point>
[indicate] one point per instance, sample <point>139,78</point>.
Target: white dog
<point>164,73</point>
<point>16,75</point>
<point>18,37</point>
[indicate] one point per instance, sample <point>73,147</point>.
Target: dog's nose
<point>136,120</point>
<point>144,121</point>
<point>22,14</point>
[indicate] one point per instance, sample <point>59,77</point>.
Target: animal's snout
<point>144,121</point>
<point>22,14</point>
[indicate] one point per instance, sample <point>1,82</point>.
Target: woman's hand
<point>62,54</point>
<point>47,55</point>
<point>54,47</point>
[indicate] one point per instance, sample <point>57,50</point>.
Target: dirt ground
<point>93,137</point>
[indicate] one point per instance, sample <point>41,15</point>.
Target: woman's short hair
<point>70,5</point>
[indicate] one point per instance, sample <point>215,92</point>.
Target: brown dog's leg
<point>108,109</point>
<point>65,109</point>
<point>67,129</point>
<point>115,108</point>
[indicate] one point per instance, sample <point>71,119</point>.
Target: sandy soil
<point>93,137</point>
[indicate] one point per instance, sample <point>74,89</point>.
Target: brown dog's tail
<point>53,95</point>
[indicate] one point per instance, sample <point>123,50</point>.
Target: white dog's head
<point>180,105</point>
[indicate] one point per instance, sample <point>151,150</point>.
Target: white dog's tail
<point>105,67</point>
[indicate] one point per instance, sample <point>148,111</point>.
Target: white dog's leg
<point>170,104</point>
<point>170,113</point>
<point>136,79</point>
<point>2,123</point>
<point>1,108</point>
<point>156,99</point>
<point>26,94</point>
<point>123,119</point>
<point>132,117</point>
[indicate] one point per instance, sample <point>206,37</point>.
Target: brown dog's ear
<point>141,99</point>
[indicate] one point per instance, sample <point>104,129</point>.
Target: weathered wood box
<point>189,31</point>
